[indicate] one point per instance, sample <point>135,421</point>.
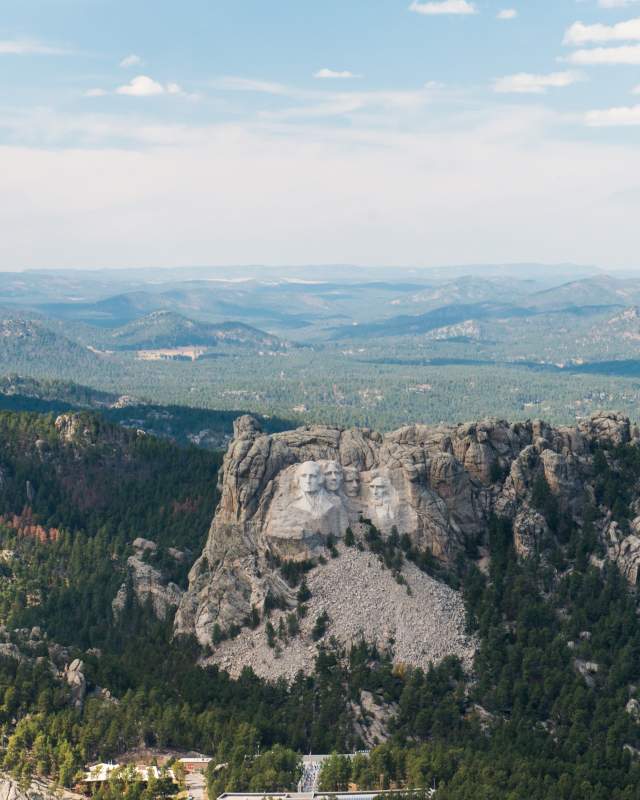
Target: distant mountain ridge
<point>165,329</point>
<point>283,299</point>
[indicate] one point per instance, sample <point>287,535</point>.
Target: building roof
<point>100,773</point>
<point>363,795</point>
<point>195,760</point>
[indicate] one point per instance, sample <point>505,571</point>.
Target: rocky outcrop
<point>607,427</point>
<point>633,708</point>
<point>82,431</point>
<point>624,549</point>
<point>11,789</point>
<point>147,583</point>
<point>10,650</point>
<point>74,676</point>
<point>529,530</point>
<point>286,496</point>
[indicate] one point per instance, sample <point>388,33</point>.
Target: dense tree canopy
<point>531,721</point>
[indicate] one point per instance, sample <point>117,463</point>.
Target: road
<point>196,785</point>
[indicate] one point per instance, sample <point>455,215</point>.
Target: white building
<point>100,773</point>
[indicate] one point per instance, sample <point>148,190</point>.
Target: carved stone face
<point>351,482</point>
<point>333,476</point>
<point>310,477</point>
<point>380,490</point>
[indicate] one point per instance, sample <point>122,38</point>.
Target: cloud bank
<point>528,83</point>
<point>579,33</point>
<point>443,7</point>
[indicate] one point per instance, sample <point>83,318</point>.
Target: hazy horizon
<point>436,132</point>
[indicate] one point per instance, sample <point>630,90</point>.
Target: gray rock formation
<point>607,427</point>
<point>148,584</point>
<point>282,495</point>
<point>74,676</point>
<point>10,789</point>
<point>10,650</point>
<point>633,708</point>
<point>624,549</point>
<point>363,601</point>
<point>140,545</point>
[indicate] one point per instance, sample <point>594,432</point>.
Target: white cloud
<point>482,174</point>
<point>507,13</point>
<point>626,54</point>
<point>622,116</point>
<point>579,33</point>
<point>232,83</point>
<point>141,86</point>
<point>527,83</point>
<point>131,60</point>
<point>23,47</point>
<point>636,89</point>
<point>616,3</point>
<point>378,105</point>
<point>331,73</point>
<point>443,7</point>
<point>324,102</point>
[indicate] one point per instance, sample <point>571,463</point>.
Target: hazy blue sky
<point>316,131</point>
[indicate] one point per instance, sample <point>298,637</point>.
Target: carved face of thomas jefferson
<point>333,476</point>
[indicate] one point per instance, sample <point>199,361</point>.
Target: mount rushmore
<point>316,499</point>
<point>287,496</point>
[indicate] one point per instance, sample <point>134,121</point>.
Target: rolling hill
<point>29,341</point>
<point>166,329</point>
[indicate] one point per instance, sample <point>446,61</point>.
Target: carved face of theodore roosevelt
<point>333,476</point>
<point>309,477</point>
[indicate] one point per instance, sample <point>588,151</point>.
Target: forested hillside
<point>549,711</point>
<point>178,423</point>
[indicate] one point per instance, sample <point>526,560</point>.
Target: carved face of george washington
<point>310,477</point>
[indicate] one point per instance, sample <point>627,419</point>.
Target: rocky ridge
<point>287,497</point>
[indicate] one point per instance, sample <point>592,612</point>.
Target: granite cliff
<point>292,497</point>
<point>11,789</point>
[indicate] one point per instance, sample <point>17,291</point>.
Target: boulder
<point>141,545</point>
<point>74,676</point>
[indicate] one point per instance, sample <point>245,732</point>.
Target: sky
<point>383,132</point>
